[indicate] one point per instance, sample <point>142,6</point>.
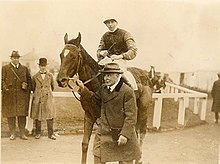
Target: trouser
<point>21,124</point>
<point>216,115</point>
<point>49,127</point>
<point>97,160</point>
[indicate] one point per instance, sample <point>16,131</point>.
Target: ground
<point>197,145</point>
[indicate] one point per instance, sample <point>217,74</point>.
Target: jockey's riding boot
<point>125,80</point>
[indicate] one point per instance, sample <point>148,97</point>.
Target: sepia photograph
<point>118,82</point>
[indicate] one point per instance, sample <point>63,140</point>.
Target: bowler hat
<point>15,54</point>
<point>108,20</point>
<point>42,62</point>
<point>111,68</point>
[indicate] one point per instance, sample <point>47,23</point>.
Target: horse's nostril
<point>63,80</point>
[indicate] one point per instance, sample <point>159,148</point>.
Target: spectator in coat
<point>16,87</point>
<point>42,105</point>
<point>216,98</point>
<point>116,139</point>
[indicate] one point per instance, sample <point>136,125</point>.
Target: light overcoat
<point>216,96</point>
<point>118,110</point>
<point>42,104</point>
<point>15,100</point>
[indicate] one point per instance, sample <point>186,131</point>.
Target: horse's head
<point>71,59</point>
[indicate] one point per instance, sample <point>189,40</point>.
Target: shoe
<point>24,137</point>
<point>53,137</point>
<point>12,137</point>
<point>37,136</point>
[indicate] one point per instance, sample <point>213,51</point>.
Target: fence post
<point>176,91</point>
<point>186,102</point>
<point>196,106</point>
<point>1,85</point>
<point>203,110</point>
<point>181,113</point>
<point>157,112</point>
<point>172,90</point>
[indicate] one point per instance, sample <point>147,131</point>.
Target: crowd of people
<point>115,139</point>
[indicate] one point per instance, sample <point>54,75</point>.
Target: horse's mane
<point>89,60</point>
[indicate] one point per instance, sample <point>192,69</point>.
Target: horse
<point>76,61</point>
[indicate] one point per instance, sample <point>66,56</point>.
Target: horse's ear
<point>78,39</point>
<point>66,38</point>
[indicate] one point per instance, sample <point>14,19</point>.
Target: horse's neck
<point>89,69</point>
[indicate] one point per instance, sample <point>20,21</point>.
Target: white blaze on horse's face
<point>66,52</point>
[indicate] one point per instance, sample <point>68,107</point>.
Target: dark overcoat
<point>15,100</point>
<point>118,110</point>
<point>42,105</point>
<point>216,96</point>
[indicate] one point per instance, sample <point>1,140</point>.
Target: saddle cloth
<point>123,66</point>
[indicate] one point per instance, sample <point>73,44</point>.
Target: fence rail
<point>182,95</point>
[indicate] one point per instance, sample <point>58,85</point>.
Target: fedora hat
<point>111,68</point>
<point>109,20</point>
<point>42,62</point>
<point>15,54</point>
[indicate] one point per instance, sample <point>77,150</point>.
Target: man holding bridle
<point>116,139</point>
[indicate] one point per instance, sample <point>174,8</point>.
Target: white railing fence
<point>182,95</point>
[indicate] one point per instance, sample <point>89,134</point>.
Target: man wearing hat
<point>42,105</point>
<point>115,139</point>
<point>216,98</point>
<point>117,45</point>
<point>16,87</point>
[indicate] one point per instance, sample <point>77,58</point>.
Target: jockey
<point>117,45</point>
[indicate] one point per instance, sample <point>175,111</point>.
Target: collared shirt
<point>16,66</point>
<point>43,74</point>
<point>114,29</point>
<point>111,88</point>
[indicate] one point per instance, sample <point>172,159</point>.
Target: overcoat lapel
<point>110,96</point>
<point>19,70</point>
<point>113,94</point>
<point>40,79</point>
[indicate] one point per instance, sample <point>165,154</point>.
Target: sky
<point>172,35</point>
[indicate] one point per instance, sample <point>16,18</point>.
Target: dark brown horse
<point>75,60</point>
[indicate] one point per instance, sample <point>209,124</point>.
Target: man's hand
<point>80,84</point>
<point>116,57</point>
<point>103,53</point>
<point>122,140</point>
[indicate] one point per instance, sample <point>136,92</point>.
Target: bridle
<point>77,71</point>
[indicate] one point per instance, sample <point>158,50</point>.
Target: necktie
<point>109,89</point>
